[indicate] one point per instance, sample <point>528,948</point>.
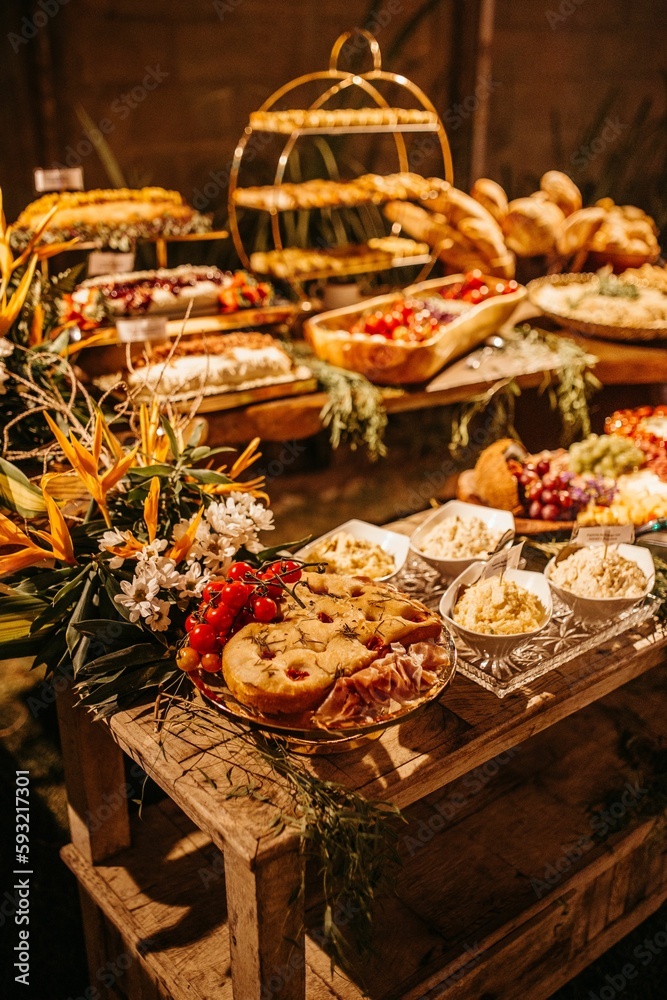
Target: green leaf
<point>173,443</point>
<point>209,476</point>
<point>96,626</point>
<point>275,550</point>
<point>148,471</point>
<point>131,656</point>
<point>17,613</point>
<point>81,611</point>
<point>17,493</point>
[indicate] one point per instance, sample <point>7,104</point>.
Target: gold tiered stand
<point>339,81</point>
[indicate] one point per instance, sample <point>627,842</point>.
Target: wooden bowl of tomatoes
<point>408,336</point>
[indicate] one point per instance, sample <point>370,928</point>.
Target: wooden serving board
<point>465,490</point>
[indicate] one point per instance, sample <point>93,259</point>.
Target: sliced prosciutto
<point>395,679</point>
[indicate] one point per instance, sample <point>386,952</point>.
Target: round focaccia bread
<point>288,667</point>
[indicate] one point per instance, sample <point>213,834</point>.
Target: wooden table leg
<point>266,925</point>
<point>95,782</point>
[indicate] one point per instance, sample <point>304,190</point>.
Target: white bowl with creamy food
<point>458,534</point>
<point>598,587</point>
<point>501,613</point>
<point>358,548</point>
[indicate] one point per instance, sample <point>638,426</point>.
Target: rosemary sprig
<point>354,412</point>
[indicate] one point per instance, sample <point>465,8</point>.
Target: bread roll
<point>578,230</point>
<point>492,197</point>
<point>562,191</point>
<point>531,226</point>
<point>490,243</point>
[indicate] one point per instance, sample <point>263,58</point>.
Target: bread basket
<point>389,362</point>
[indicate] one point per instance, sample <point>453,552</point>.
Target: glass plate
<point>563,639</point>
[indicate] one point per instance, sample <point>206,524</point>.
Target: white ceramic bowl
<point>496,646</point>
<point>591,609</point>
<point>496,520</point>
<point>394,544</point>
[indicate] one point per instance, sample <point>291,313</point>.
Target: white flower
<point>192,582</point>
<point>110,540</point>
<point>158,620</point>
<point>158,568</point>
<point>139,597</point>
<point>238,519</point>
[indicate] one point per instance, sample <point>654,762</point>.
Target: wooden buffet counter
<point>505,890</point>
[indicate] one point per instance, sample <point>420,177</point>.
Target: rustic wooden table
<point>507,887</point>
<point>298,417</point>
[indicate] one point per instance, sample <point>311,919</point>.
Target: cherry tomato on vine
<point>204,638</point>
<point>190,622</point>
<point>220,617</point>
<point>264,609</point>
<point>213,588</point>
<point>187,658</point>
<point>211,663</point>
<point>238,570</point>
<point>235,594</point>
<point>288,570</point>
<point>273,590</point>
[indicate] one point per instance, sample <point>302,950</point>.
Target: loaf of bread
<point>562,191</point>
<point>532,226</point>
<point>492,197</point>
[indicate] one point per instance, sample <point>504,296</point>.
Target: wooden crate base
<point>473,914</point>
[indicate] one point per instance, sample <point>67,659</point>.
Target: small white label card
<point>604,534</point>
<point>109,262</point>
<point>503,560</point>
<point>58,179</point>
<point>141,328</point>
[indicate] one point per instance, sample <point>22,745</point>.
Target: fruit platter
<point>619,477</point>
<point>408,337</point>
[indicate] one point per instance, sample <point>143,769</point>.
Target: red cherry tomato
<point>211,663</point>
<point>204,638</point>
<point>235,594</point>
<point>190,623</point>
<point>213,588</point>
<point>474,279</point>
<point>473,296</point>
<point>274,590</point>
<point>220,617</point>
<point>289,571</point>
<point>264,609</point>
<point>238,570</point>
<point>187,658</point>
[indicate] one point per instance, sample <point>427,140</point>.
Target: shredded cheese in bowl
<point>459,538</point>
<point>498,606</point>
<point>587,573</point>
<point>349,556</point>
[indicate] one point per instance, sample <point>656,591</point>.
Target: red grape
<point>542,467</point>
<point>204,638</point>
<point>550,512</point>
<point>535,510</point>
<point>547,496</point>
